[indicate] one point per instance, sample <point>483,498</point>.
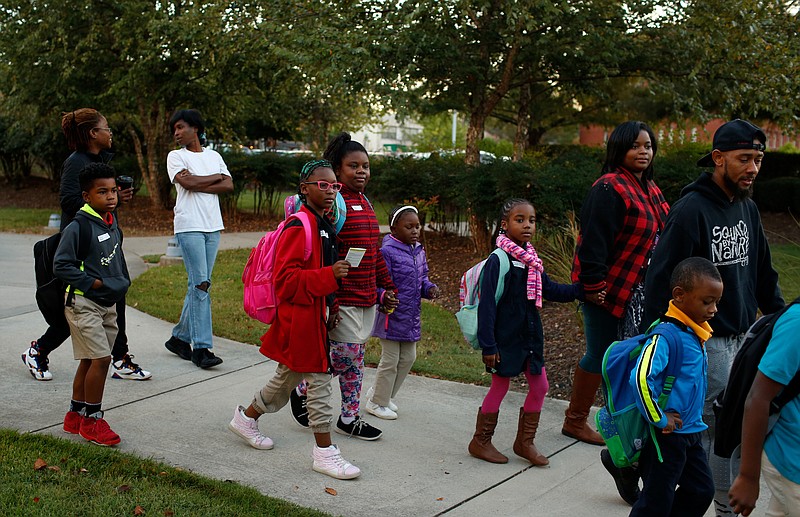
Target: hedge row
<point>554,178</point>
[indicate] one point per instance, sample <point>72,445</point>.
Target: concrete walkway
<point>419,467</point>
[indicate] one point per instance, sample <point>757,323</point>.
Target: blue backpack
<point>470,294</point>
<point>619,422</point>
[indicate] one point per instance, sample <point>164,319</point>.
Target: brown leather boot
<point>526,432</point>
<point>584,387</point>
<point>481,444</point>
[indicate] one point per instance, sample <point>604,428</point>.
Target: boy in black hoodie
<point>95,286</point>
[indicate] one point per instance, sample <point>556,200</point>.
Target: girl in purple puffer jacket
<point>399,330</point>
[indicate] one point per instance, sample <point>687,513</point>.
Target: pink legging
<point>537,389</point>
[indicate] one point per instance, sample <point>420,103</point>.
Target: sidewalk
<point>419,467</point>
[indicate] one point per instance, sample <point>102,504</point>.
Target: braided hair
<point>76,126</point>
<point>307,170</point>
<point>339,147</point>
<point>505,210</point>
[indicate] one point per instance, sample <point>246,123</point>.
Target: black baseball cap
<point>736,134</point>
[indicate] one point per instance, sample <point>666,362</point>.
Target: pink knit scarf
<point>529,257</point>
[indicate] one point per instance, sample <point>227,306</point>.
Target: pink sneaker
<point>97,431</point>
<point>72,422</point>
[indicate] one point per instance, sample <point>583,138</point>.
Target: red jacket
<point>298,338</point>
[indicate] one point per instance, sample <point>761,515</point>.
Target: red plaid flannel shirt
<point>617,262</point>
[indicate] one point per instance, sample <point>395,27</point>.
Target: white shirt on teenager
<point>196,211</point>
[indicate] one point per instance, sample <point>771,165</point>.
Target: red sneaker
<point>97,431</point>
<point>72,422</point>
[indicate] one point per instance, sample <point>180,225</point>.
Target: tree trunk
<point>523,120</point>
<point>480,232</point>
<point>153,120</point>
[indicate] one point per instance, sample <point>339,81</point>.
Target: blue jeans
<point>601,329</point>
<point>199,253</point>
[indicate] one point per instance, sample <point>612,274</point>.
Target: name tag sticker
<point>104,237</point>
<point>357,208</point>
<point>518,264</point>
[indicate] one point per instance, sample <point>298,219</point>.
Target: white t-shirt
<point>196,211</point>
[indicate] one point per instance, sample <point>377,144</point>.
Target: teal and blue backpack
<point>469,296</point>
<point>619,422</point>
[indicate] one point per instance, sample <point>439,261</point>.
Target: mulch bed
<point>448,257</point>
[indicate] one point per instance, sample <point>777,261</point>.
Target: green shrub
<point>778,195</point>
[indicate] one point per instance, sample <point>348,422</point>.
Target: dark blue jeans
<point>685,467</point>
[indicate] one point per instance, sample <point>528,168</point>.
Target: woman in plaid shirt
<point>620,222</point>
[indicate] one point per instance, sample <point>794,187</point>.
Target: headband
<point>401,210</point>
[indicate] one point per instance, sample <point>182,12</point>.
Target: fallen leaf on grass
<point>83,471</point>
<point>54,468</point>
<point>168,513</point>
<point>123,488</point>
<point>35,499</point>
<point>39,464</point>
<point>162,473</point>
<point>330,490</point>
<point>138,510</point>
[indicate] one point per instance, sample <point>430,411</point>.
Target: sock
<point>76,406</point>
<point>347,420</point>
<point>93,409</point>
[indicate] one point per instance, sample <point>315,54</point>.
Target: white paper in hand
<point>354,256</point>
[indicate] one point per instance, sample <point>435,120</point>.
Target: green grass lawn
<point>246,203</point>
<point>441,353</point>
<point>81,479</point>
<point>25,220</point>
<point>786,259</point>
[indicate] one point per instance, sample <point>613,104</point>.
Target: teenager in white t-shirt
<point>199,176</point>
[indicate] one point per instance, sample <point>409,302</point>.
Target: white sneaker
<point>125,368</point>
<point>329,461</point>
<point>392,405</point>
<point>36,364</point>
<point>247,428</point>
<point>380,411</point>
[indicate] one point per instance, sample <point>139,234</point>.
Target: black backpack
<point>729,404</point>
<point>49,289</point>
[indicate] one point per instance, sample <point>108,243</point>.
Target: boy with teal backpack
<point>667,383</point>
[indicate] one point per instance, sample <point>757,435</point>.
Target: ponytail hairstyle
<point>194,119</point>
<point>621,141</point>
<point>76,126</point>
<point>505,210</point>
<point>339,147</point>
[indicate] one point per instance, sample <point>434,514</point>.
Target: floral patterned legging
<point>347,361</point>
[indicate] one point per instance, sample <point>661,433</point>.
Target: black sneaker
<point>297,404</point>
<point>358,429</point>
<point>626,479</point>
<point>179,347</point>
<point>205,358</point>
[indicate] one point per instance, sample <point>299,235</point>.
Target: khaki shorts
<point>93,328</point>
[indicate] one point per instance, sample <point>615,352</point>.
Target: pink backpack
<point>260,299</point>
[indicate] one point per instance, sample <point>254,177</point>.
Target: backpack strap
<point>84,243</point>
<point>792,389</point>
<point>306,223</point>
<point>673,338</point>
<point>501,277</point>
